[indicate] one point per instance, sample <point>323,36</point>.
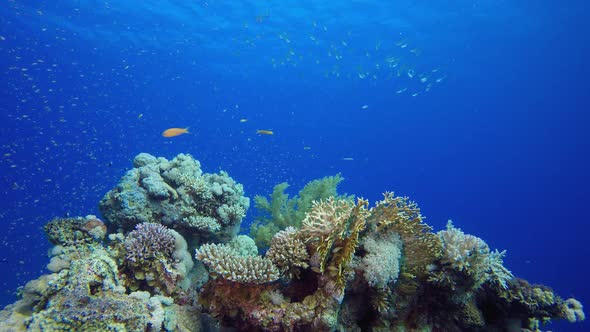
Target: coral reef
<point>342,266</point>
<point>176,193</point>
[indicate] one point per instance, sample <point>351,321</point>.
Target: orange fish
<point>171,132</point>
<point>264,132</point>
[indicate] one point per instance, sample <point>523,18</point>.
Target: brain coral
<point>178,194</point>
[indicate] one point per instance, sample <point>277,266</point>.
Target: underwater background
<point>477,110</point>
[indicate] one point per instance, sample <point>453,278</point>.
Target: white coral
<point>381,264</point>
<point>471,255</point>
<point>573,310</point>
<point>226,262</point>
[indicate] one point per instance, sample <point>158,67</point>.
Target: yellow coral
<point>333,227</point>
<point>421,247</point>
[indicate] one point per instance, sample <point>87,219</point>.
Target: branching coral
<point>472,256</point>
<point>281,211</point>
<point>287,251</point>
<point>332,228</point>
<point>226,263</point>
<point>399,214</point>
<point>155,259</point>
<point>148,241</point>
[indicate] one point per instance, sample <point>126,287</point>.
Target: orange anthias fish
<point>171,132</point>
<point>264,132</point>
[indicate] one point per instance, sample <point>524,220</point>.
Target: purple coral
<point>148,241</point>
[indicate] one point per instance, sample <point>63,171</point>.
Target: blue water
<point>491,130</point>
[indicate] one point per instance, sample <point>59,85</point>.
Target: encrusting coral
<point>348,267</point>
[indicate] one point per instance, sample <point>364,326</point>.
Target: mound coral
<point>176,193</point>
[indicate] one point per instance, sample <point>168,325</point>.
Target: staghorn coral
<point>178,194</point>
<point>228,264</point>
<point>288,253</point>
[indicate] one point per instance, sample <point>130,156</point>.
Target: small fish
<point>307,148</point>
<point>348,158</point>
<point>243,120</point>
<point>264,132</point>
<point>438,80</point>
<point>171,132</point>
<point>140,116</point>
<point>364,107</point>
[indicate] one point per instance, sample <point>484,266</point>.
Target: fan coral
<point>332,227</point>
<point>399,214</point>
<point>288,253</point>
<point>228,264</point>
<point>147,242</point>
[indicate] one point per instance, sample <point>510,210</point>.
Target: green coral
<point>281,211</point>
